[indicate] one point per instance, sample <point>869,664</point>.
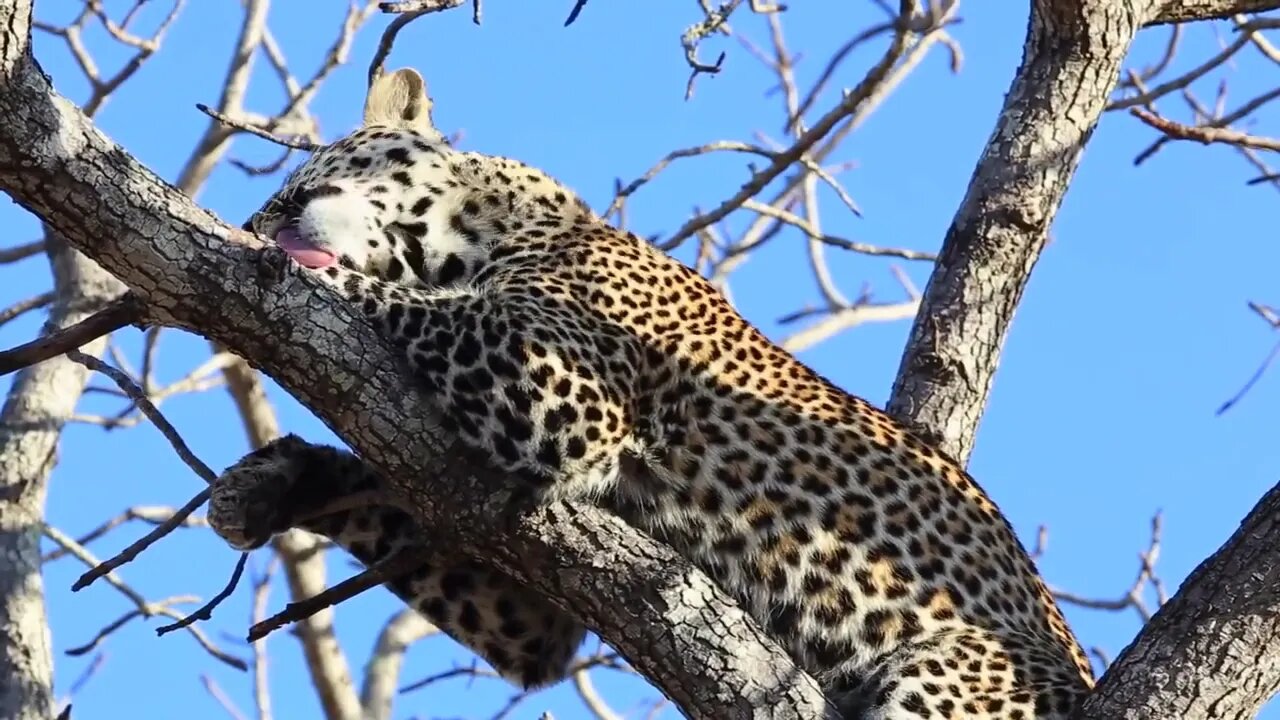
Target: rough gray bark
<point>41,399</point>
<point>1071,62</point>
<point>1173,11</point>
<point>664,616</point>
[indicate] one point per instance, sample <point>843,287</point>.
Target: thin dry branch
<point>837,58</point>
<point>80,682</point>
<point>123,620</point>
<point>715,20</point>
<point>226,120</point>
<point>1147,97</point>
<point>382,672</point>
<point>300,96</point>
<point>411,11</point>
<point>147,514</point>
<point>130,388</point>
<point>221,697</point>
<point>1135,596</point>
<point>136,547</point>
<point>135,393</point>
<point>1202,651</point>
<point>114,316</point>
<point>1203,134</point>
<point>148,609</point>
<point>200,379</point>
<point>22,307</point>
<point>20,252</point>
<point>261,661</point>
<point>786,159</point>
<point>845,318</point>
<point>578,5</point>
<point>853,246</point>
<point>591,697</point>
<point>389,568</point>
<point>205,612</point>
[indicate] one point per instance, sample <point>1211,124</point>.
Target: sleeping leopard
<point>588,365</point>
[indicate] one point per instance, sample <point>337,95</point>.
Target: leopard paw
<point>249,502</point>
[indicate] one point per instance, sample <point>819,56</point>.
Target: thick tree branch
<point>1176,11</point>
<point>667,618</point>
<point>1071,62</point>
<point>1189,660</point>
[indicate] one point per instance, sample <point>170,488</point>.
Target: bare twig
<point>851,102</point>
<point>78,684</point>
<point>20,252</point>
<point>146,541</point>
<point>114,316</point>
<point>221,697</point>
<point>578,5</point>
<point>25,306</point>
<point>1134,595</point>
<point>179,445</point>
<point>382,672</point>
<point>1146,98</point>
<point>591,698</point>
<point>828,72</point>
<point>715,20</point>
<point>292,143</point>
<point>1202,134</point>
<point>389,568</point>
<point>411,11</point>
<point>1170,50</point>
<point>123,620</point>
<point>261,598</point>
<point>135,393</point>
<point>845,318</point>
<point>198,380</point>
<point>1271,317</point>
<point>147,609</point>
<point>205,612</point>
<point>622,192</point>
<point>850,245</point>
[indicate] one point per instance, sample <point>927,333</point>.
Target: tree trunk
<point>1071,62</point>
<point>41,399</point>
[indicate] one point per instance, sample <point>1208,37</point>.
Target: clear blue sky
<point>1133,331</point>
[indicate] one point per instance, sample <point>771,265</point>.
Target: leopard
<point>584,363</point>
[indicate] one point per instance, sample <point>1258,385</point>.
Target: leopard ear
<point>399,99</point>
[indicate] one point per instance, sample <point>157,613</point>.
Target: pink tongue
<point>306,254</point>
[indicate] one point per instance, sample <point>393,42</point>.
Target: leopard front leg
<point>289,484</point>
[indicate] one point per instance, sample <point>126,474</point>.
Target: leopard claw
<point>273,265</point>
